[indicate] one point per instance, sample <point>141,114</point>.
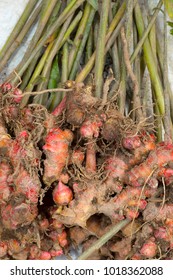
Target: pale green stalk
<point>82,45</point>
<point>150,61</point>
<point>79,35</point>
<point>100,48</point>
<point>88,67</point>
<point>70,9</point>
<point>102,240</point>
<point>18,27</point>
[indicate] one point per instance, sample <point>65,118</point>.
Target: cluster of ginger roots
<point>68,177</point>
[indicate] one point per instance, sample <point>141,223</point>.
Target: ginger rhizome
<point>68,176</point>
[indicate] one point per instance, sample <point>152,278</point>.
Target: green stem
<point>116,20</point>
<point>70,9</point>
<point>28,73</point>
<point>147,97</point>
<point>79,35</point>
<point>54,79</point>
<point>137,100</point>
<point>158,124</point>
<point>110,15</point>
<point>42,99</point>
<point>167,116</point>
<point>71,28</point>
<point>46,72</point>
<point>122,88</point>
<point>114,35</point>
<point>20,37</point>
<point>88,67</point>
<point>64,76</point>
<point>100,48</point>
<point>47,8</point>
<point>152,38</point>
<point>129,24</point>
<point>62,38</point>
<point>144,34</point>
<point>150,62</point>
<point>82,45</point>
<point>39,68</point>
<point>53,16</point>
<point>36,73</point>
<point>115,61</point>
<point>115,7</point>
<point>105,238</point>
<point>65,62</point>
<point>114,51</point>
<point>51,51</point>
<point>161,59</point>
<point>18,27</point>
<point>96,28</point>
<point>89,46</point>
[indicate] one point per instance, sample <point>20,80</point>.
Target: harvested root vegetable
<point>56,148</point>
<point>77,157</point>
<point>111,130</point>
<point>149,248</point>
<point>79,103</point>
<point>3,249</point>
<point>152,167</point>
<point>5,188</point>
<point>66,179</point>
<point>62,194</point>
<point>27,185</point>
<point>19,214</point>
<point>159,213</point>
<point>122,248</point>
<point>87,165</point>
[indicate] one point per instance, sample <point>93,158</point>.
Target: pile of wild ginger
<point>69,176</point>
<point>86,153</point>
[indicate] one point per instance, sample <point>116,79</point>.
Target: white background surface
<point>10,11</point>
